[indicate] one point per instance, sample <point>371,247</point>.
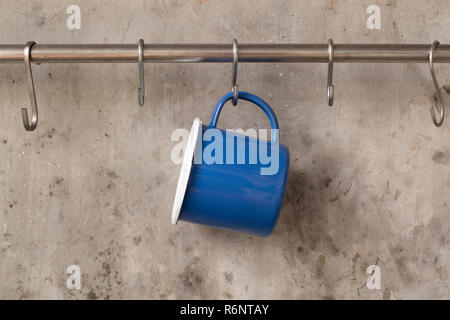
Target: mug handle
<point>244,96</point>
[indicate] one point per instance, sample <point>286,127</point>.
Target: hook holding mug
<point>234,86</point>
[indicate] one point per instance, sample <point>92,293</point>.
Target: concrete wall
<point>94,184</point>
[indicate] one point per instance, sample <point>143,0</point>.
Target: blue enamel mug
<point>231,180</point>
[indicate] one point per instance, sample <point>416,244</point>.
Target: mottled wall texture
<point>93,185</point>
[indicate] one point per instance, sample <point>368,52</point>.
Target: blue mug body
<point>233,192</point>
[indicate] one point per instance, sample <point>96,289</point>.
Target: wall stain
<point>193,281</point>
<point>442,157</point>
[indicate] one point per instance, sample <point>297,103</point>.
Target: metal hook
<point>141,89</point>
<point>34,110</point>
<point>234,86</point>
<point>438,90</point>
<point>330,87</point>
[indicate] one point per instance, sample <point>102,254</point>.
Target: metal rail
<point>183,53</point>
<point>162,53</point>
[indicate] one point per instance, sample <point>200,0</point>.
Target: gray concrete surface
<point>93,185</point>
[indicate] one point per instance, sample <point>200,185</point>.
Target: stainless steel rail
<point>170,53</point>
<point>232,53</point>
